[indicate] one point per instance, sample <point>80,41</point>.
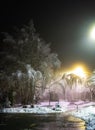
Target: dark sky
<point>65,24</point>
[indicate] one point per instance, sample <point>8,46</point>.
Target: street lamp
<point>79,71</point>
<point>92,33</point>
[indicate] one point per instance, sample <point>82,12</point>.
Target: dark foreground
<point>35,122</point>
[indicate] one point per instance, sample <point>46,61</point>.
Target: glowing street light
<point>79,72</point>
<point>92,33</point>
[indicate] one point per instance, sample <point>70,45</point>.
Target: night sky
<point>64,24</point>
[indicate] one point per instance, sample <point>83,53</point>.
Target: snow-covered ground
<point>83,110</point>
<point>40,109</point>
<point>87,114</point>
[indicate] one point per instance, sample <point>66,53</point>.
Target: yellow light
<point>79,72</point>
<point>92,33</point>
<point>80,69</point>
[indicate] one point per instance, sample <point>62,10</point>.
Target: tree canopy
<point>26,55</point>
<point>26,47</point>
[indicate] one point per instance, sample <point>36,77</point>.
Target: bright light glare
<point>92,33</point>
<point>79,69</point>
<point>79,72</point>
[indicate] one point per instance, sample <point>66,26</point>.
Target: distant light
<point>79,69</point>
<point>79,72</point>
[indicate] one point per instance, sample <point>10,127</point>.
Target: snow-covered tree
<point>28,56</point>
<point>91,85</point>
